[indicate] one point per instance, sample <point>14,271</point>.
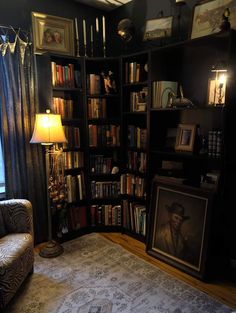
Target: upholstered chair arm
<point>17,215</point>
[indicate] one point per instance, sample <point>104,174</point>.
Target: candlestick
<point>91,33</point>
<point>91,36</point>
<point>77,37</point>
<point>97,25</point>
<point>76,29</point>
<point>84,29</point>
<point>85,39</point>
<point>104,36</point>
<point>103,30</point>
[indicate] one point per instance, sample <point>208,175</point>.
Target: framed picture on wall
<point>52,34</point>
<point>179,225</point>
<point>207,17</point>
<point>158,28</point>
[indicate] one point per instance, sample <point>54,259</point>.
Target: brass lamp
<point>47,131</point>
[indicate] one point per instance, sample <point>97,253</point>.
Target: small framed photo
<point>52,34</point>
<point>158,28</point>
<point>185,137</point>
<point>179,225</point>
<point>207,17</point>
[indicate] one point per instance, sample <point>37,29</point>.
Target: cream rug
<point>95,275</point>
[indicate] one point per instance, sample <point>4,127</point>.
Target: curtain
<point>24,162</point>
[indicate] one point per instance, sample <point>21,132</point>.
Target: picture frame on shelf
<point>158,28</point>
<point>185,212</point>
<point>208,17</point>
<point>52,34</point>
<point>185,137</point>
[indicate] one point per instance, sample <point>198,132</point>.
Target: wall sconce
<point>217,85</point>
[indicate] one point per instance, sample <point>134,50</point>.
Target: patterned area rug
<point>94,275</point>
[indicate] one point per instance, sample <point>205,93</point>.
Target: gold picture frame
<point>185,137</point>
<point>52,34</point>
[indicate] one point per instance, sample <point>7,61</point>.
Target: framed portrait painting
<point>207,17</point>
<point>179,225</point>
<point>52,34</point>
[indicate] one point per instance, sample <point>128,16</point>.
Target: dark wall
<point>141,10</point>
<point>18,13</point>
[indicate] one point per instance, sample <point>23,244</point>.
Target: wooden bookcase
<point>61,90</point>
<point>206,165</point>
<point>135,95</point>
<point>128,140</point>
<point>103,125</point>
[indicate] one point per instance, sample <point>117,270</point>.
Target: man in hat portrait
<point>169,237</point>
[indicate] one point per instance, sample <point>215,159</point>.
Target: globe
<point>125,29</point>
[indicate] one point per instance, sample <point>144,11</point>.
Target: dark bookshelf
<point>189,63</point>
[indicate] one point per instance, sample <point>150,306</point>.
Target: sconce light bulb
<point>222,79</point>
<point>180,2</point>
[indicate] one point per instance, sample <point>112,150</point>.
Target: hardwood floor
<point>225,291</point>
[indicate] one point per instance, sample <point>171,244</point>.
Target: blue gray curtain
<point>24,162</point>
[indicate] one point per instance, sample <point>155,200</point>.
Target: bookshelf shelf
<point>66,89</point>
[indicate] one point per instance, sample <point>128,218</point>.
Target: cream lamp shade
<point>48,129</point>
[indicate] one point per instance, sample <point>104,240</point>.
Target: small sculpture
<point>181,101</point>
<point>115,170</point>
<point>225,25</point>
<point>109,83</point>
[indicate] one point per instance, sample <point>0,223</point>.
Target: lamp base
<point>52,249</point>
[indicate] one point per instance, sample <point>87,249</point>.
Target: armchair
<point>16,246</point>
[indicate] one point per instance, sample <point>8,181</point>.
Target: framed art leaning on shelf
<point>52,34</point>
<point>185,137</point>
<point>179,225</point>
<point>208,17</point>
<point>158,28</point>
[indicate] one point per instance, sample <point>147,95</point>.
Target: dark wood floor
<point>225,291</point>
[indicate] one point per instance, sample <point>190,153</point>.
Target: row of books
<point>65,75</point>
<point>73,159</point>
<point>162,93</point>
<point>214,143</point>
<point>96,108</point>
<point>134,217</point>
<point>132,185</point>
<point>101,83</point>
<point>137,161</point>
<point>105,189</point>
<point>76,217</point>
<point>94,84</point>
<point>104,135</point>
<point>137,137</point>
<point>100,164</point>
<point>107,215</point>
<point>138,100</point>
<point>73,137</point>
<point>62,106</point>
<point>135,72</point>
<point>75,185</point>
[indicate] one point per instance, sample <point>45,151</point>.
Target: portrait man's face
<point>176,221</point>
